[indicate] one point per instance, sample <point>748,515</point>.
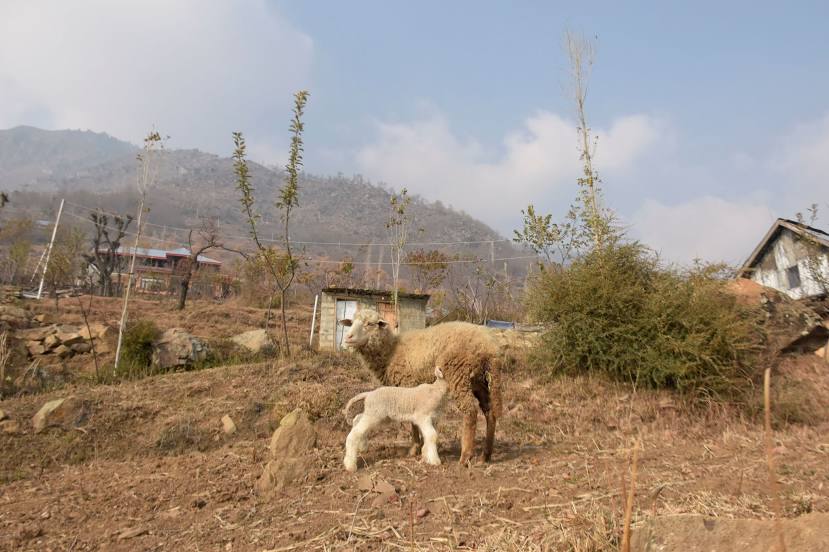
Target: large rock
<point>14,317</point>
<point>177,348</point>
<point>291,452</point>
<point>67,413</point>
<point>36,334</point>
<point>692,533</point>
<point>69,335</point>
<point>97,330</point>
<point>35,348</point>
<point>255,341</point>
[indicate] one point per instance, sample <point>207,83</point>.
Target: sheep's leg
<point>355,441</point>
<point>417,441</point>
<point>470,424</point>
<point>430,443</point>
<point>490,435</point>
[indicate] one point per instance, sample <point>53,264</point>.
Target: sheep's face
<point>366,324</point>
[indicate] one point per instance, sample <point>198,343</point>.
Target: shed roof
<point>383,293</point>
<point>779,225</point>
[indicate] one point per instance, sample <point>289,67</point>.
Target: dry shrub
<point>619,312</point>
<point>137,348</point>
<point>181,434</point>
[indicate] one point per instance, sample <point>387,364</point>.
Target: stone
<point>255,341</point>
<point>81,348</point>
<point>14,316</point>
<point>63,351</point>
<point>228,426</point>
<point>35,348</point>
<point>294,436</point>
<point>95,330</point>
<point>177,348</point>
<point>694,532</point>
<point>69,338</point>
<point>278,474</point>
<point>67,413</point>
<point>36,334</point>
<point>291,452</point>
<point>10,427</point>
<point>51,342</point>
<point>42,318</point>
<point>3,415</point>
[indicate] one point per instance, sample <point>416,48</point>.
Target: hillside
<point>97,170</point>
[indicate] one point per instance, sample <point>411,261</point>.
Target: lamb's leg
<point>490,435</point>
<point>430,443</point>
<point>470,424</point>
<point>355,441</point>
<point>417,441</point>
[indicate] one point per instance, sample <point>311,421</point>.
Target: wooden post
<point>49,250</point>
<point>313,321</point>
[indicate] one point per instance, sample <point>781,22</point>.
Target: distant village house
<point>343,303</point>
<point>792,258</point>
<point>156,270</point>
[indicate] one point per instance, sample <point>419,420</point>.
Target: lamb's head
<point>366,329</point>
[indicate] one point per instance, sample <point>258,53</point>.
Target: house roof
<point>163,254</point>
<point>779,225</point>
<point>383,293</point>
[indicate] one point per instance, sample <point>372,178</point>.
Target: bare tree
<point>146,179</point>
<point>207,238</point>
<point>598,221</point>
<point>398,227</point>
<point>106,241</point>
<point>281,264</point>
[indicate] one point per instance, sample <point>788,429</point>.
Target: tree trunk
<point>184,287</point>
<point>285,325</point>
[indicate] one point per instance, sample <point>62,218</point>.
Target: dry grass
<point>153,456</point>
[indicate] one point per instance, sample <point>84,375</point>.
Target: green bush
<point>617,311</point>
<point>137,346</point>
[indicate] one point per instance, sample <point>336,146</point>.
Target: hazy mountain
<point>94,170</point>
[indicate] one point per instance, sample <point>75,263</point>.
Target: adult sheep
<point>466,353</point>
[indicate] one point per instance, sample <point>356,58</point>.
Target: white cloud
<point>802,162</point>
<point>197,70</point>
<point>539,163</point>
<point>707,227</point>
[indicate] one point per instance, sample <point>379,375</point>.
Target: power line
<point>301,242</point>
<point>318,260</point>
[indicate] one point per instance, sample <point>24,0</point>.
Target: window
<point>793,276</point>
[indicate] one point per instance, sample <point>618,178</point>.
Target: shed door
<point>387,313</point>
<point>345,309</point>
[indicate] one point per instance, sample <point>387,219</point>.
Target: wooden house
<point>792,258</point>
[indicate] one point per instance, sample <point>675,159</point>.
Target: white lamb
<point>421,406</point>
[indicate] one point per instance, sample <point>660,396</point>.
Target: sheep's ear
<point>382,323</point>
<point>345,322</point>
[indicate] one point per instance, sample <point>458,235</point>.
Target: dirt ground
<point>151,468</point>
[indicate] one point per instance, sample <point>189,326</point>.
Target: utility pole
<point>49,249</point>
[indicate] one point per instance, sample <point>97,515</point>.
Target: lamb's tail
<point>354,399</point>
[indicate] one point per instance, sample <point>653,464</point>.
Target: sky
<point>712,118</point>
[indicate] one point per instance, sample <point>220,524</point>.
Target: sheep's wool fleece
<point>465,352</point>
